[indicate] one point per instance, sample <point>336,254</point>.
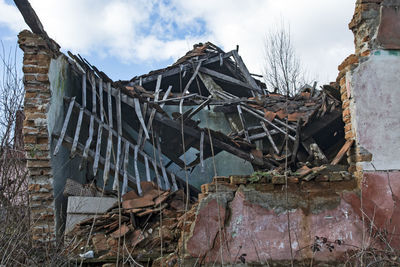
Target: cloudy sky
<point>125,38</point>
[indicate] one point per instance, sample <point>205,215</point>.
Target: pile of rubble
<point>142,228</point>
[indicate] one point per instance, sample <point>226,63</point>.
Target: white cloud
<point>151,30</point>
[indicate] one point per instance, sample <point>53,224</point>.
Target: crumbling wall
<point>369,84</point>
<point>37,56</point>
<point>47,79</point>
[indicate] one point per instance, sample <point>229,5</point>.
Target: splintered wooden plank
<point>90,138</point>
<point>77,132</point>
<point>165,97</point>
<point>174,185</point>
<point>84,90</point>
<point>140,116</point>
<point>139,189</point>
<point>157,90</point>
<point>167,185</point>
<point>108,158</point>
<point>269,137</point>
<point>342,151</point>
<point>119,115</point>
<point>126,161</point>
<point>313,149</point>
<point>157,175</point>
<point>65,126</point>
<point>188,85</point>
<point>101,99</point>
<point>109,101</point>
<point>98,148</point>
<point>146,164</point>
<point>199,108</point>
<point>246,133</point>
<point>117,164</point>
<point>94,95</point>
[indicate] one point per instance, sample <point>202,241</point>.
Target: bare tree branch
<point>282,70</point>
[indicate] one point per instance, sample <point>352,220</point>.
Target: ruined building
<point>207,164</point>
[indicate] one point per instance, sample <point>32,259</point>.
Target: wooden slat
<point>94,103</point>
<point>126,161</point>
<point>199,108</point>
<point>226,78</point>
<point>202,151</point>
<point>98,148</point>
<point>119,114</point>
<point>174,185</point>
<point>342,151</point>
<point>156,172</point>
<point>117,163</point>
<point>140,116</point>
<point>109,102</point>
<point>84,90</point>
<point>188,85</point>
<point>246,133</point>
<point>90,138</point>
<point>146,164</point>
<point>65,126</point>
<point>77,132</point>
<point>139,189</point>
<point>108,158</point>
<point>140,134</point>
<point>269,137</point>
<point>101,99</point>
<point>164,173</point>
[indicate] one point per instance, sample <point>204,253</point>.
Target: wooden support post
<point>65,126</point>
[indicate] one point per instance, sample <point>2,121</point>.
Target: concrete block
<point>89,205</point>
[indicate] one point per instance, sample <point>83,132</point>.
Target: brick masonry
<point>36,62</point>
<point>364,24</point>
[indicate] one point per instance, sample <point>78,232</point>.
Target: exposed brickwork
<point>364,25</point>
<point>36,62</point>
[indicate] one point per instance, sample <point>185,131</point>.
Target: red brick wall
<point>36,62</point>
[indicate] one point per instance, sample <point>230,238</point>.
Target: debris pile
<point>144,228</point>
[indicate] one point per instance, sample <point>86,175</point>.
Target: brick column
<point>36,62</point>
<point>364,25</point>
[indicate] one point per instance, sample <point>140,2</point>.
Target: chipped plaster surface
<point>376,94</point>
